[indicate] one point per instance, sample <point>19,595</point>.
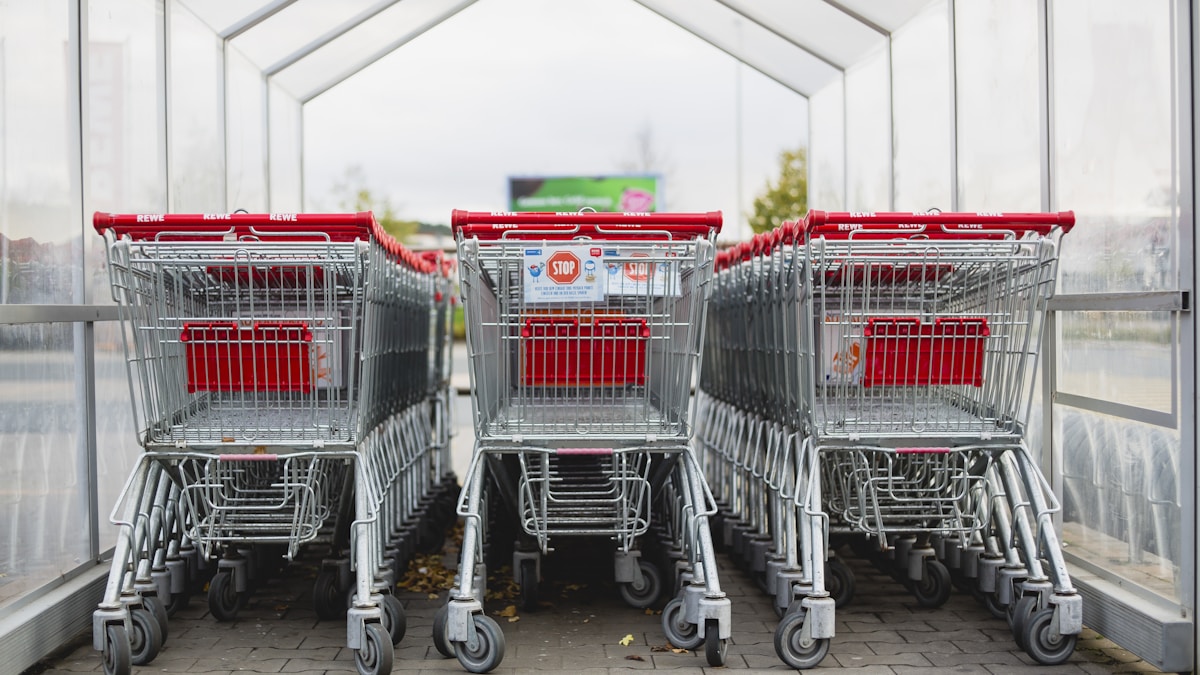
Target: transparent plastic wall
<point>868,134</point>
<point>126,171</point>
<point>246,134</point>
<point>196,110</point>
<point>826,148</point>
<point>1117,136</point>
<point>43,493</point>
<point>286,138</point>
<point>922,132</point>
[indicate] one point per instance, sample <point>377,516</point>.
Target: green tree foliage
<point>787,197</point>
<point>354,195</point>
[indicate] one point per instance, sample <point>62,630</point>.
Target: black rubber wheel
<point>1045,647</point>
<point>489,646</point>
<point>223,601</point>
<point>839,582</point>
<point>328,601</point>
<point>145,640</point>
<point>158,610</point>
<point>376,654</point>
<point>715,648</point>
<point>992,603</point>
<point>1018,616</point>
<point>933,590</point>
<point>116,656</point>
<point>529,585</point>
<point>178,601</point>
<point>644,594</point>
<point>680,632</point>
<point>439,633</point>
<point>792,648</point>
<point>394,618</point>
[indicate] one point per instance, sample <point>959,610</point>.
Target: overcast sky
<point>545,87</point>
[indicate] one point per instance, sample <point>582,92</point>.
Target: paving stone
<point>858,660</point>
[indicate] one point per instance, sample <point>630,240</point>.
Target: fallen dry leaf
<point>511,610</point>
<point>627,640</point>
<point>514,619</point>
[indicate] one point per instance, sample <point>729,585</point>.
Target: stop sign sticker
<point>562,267</point>
<point>562,273</point>
<point>637,271</point>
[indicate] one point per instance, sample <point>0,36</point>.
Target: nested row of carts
<point>866,383</point>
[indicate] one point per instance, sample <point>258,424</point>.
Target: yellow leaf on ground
<point>627,640</point>
<point>511,610</point>
<point>514,619</point>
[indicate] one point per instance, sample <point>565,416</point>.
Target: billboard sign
<point>567,193</point>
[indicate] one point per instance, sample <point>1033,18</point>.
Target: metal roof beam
<point>329,36</point>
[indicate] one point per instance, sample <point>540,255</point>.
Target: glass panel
<point>1115,131</point>
<point>197,148</point>
<point>816,25</point>
<point>1121,488</point>
<point>116,439</point>
<point>827,148</point>
<point>998,103</point>
<point>39,227</point>
<point>1135,349</point>
<point>888,15</point>
<point>868,135</point>
<point>921,112</point>
<point>125,130</point>
<point>43,485</point>
<point>766,51</point>
<point>224,14</point>
<point>286,141</point>
<point>298,24</point>
<point>246,133</point>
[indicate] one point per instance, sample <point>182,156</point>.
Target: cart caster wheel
<point>158,610</point>
<point>178,601</point>
<point>394,618</point>
<point>714,647</point>
<point>1045,646</point>
<point>223,601</point>
<point>796,650</point>
<point>679,631</point>
<point>439,633</point>
<point>145,640</point>
<point>1018,616</point>
<point>839,582</point>
<point>640,596</point>
<point>933,590</point>
<point>992,604</point>
<point>488,650</point>
<point>118,660</point>
<point>529,585</point>
<point>375,656</point>
<point>328,601</point>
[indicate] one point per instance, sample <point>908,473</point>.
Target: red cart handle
<point>489,225</point>
<point>885,225</point>
<point>304,227</point>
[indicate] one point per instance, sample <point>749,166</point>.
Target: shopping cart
<point>279,372</point>
<point>583,332</point>
<point>892,359</point>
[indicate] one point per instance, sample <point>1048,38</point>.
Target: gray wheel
<point>644,593</point>
<point>158,610</point>
<point>145,640</point>
<point>117,658</point>
<point>394,618</point>
<point>488,650</point>
<point>328,601</point>
<point>375,656</point>
<point>839,582</point>
<point>793,648</point>
<point>1018,615</point>
<point>1045,646</point>
<point>933,590</point>
<point>679,632</point>
<point>439,633</point>
<point>528,582</point>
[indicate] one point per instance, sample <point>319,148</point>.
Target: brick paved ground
<point>582,621</point>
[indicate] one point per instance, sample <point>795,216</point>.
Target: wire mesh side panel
<point>244,342</point>
<point>613,360</point>
<point>916,338</point>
